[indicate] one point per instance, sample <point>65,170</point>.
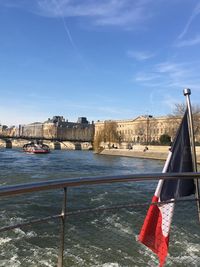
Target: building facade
<point>141,130</point>
<point>56,128</point>
<point>144,129</point>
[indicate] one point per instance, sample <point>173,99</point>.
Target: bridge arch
<point>7,143</point>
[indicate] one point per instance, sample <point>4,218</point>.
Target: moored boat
<point>36,148</point>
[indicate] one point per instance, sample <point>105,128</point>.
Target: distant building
<point>7,131</point>
<point>59,128</point>
<point>140,130</point>
<point>82,120</point>
<point>32,130</point>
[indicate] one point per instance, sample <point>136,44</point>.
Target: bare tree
<point>98,138</point>
<point>108,134</point>
<point>179,110</point>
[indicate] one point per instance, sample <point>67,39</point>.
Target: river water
<point>102,239</point>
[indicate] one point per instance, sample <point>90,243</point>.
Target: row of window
<point>150,131</point>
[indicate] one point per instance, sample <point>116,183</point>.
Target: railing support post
<point>62,230</point>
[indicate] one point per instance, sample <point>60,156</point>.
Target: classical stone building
<point>143,129</point>
<point>7,131</point>
<point>60,129</point>
<point>32,130</point>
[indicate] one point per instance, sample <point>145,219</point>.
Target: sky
<point>108,59</point>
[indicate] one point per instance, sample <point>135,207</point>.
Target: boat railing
<point>64,184</point>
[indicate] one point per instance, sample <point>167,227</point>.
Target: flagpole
<point>187,93</point>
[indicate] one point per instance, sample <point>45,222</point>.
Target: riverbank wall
<point>153,152</point>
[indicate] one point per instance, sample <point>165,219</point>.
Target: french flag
<point>156,227</point>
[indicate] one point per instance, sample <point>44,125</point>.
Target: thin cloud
<point>170,74</point>
<point>131,17</point>
<point>172,69</point>
<point>140,55</point>
<point>178,75</point>
<point>190,42</point>
<point>126,13</point>
<point>145,77</point>
<point>194,14</point>
<point>69,8</point>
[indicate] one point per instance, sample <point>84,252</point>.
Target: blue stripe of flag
<point>181,161</point>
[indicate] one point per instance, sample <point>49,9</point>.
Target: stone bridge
<point>16,141</point>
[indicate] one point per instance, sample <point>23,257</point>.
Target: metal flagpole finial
<point>187,91</point>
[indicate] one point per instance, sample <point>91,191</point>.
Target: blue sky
<point>108,59</point>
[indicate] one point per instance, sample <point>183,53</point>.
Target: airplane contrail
<point>195,13</point>
<point>64,24</point>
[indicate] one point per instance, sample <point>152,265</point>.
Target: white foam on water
<point>99,197</point>
<point>132,212</point>
<point>15,260</point>
<point>191,248</point>
<point>75,258</point>
<point>189,254</point>
<point>4,240</point>
<point>12,262</point>
<point>110,264</point>
<point>122,227</point>
<point>95,221</point>
<point>16,220</point>
<point>185,260</point>
<point>148,258</point>
<point>42,257</point>
<point>20,233</point>
<point>45,263</point>
<point>98,249</point>
<point>31,234</point>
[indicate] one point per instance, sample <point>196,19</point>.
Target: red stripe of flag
<point>151,233</point>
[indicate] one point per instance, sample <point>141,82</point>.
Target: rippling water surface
<point>103,239</point>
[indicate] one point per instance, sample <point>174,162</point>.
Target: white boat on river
<point>36,148</point>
